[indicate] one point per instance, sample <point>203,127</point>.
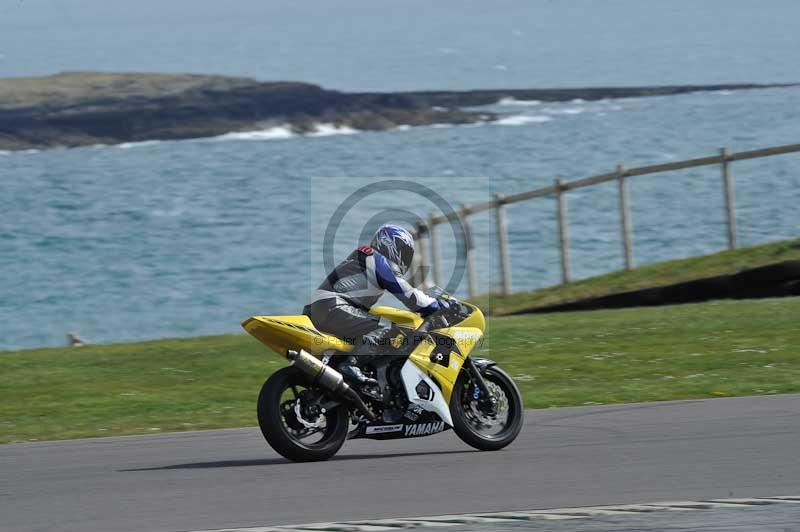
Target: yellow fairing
<point>280,333</point>
<point>475,319</point>
<point>466,339</point>
<point>404,318</point>
<point>467,334</point>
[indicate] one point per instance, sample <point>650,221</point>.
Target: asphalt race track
<point>686,450</point>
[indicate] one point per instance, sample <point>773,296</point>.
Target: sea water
<point>154,239</point>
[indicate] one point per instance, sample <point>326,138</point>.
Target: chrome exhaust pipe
<point>328,378</point>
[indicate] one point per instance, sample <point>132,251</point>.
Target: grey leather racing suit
<point>340,306</point>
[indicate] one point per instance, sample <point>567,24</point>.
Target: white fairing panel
<point>412,376</point>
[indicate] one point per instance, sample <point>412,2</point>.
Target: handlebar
<point>457,310</point>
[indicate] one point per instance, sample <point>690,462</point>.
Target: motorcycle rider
<point>340,306</point>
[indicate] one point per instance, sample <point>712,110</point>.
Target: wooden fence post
<point>414,268</point>
<point>421,253</point>
<point>563,237</point>
<point>625,217</point>
<point>728,188</point>
<point>502,243</point>
<point>435,252</point>
<point>472,288</point>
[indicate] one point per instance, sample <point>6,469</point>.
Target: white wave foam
<point>326,130</point>
<point>277,132</point>
<point>578,100</point>
<point>140,144</point>
<point>285,132</point>
<point>566,111</point>
<point>521,120</point>
<point>11,152</point>
<point>514,101</point>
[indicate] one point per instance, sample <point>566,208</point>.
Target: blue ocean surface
<point>162,239</point>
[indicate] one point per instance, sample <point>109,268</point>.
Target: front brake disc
<point>500,414</point>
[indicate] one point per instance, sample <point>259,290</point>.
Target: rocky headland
<point>85,108</point>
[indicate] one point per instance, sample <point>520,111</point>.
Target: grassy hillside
<point>652,275</point>
<point>705,350</point>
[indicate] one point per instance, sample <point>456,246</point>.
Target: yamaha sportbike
<point>427,383</point>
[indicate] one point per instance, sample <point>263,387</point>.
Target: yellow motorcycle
<point>427,383</point>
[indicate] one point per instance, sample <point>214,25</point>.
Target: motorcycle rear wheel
<point>477,427</point>
<point>287,425</point>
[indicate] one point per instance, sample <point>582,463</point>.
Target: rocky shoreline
<point>85,108</point>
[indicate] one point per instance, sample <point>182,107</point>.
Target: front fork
<point>485,397</point>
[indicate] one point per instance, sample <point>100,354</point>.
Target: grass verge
<point>715,349</point>
<point>652,275</point>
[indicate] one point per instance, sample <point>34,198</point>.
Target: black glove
<point>444,304</point>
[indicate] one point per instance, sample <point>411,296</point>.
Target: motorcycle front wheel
<point>478,425</point>
<point>294,423</point>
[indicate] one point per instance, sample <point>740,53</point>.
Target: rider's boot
<point>371,344</point>
<point>349,368</point>
<point>353,374</point>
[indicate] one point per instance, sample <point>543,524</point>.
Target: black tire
<point>274,427</point>
<point>461,404</point>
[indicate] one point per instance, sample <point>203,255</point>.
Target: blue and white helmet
<point>396,244</point>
